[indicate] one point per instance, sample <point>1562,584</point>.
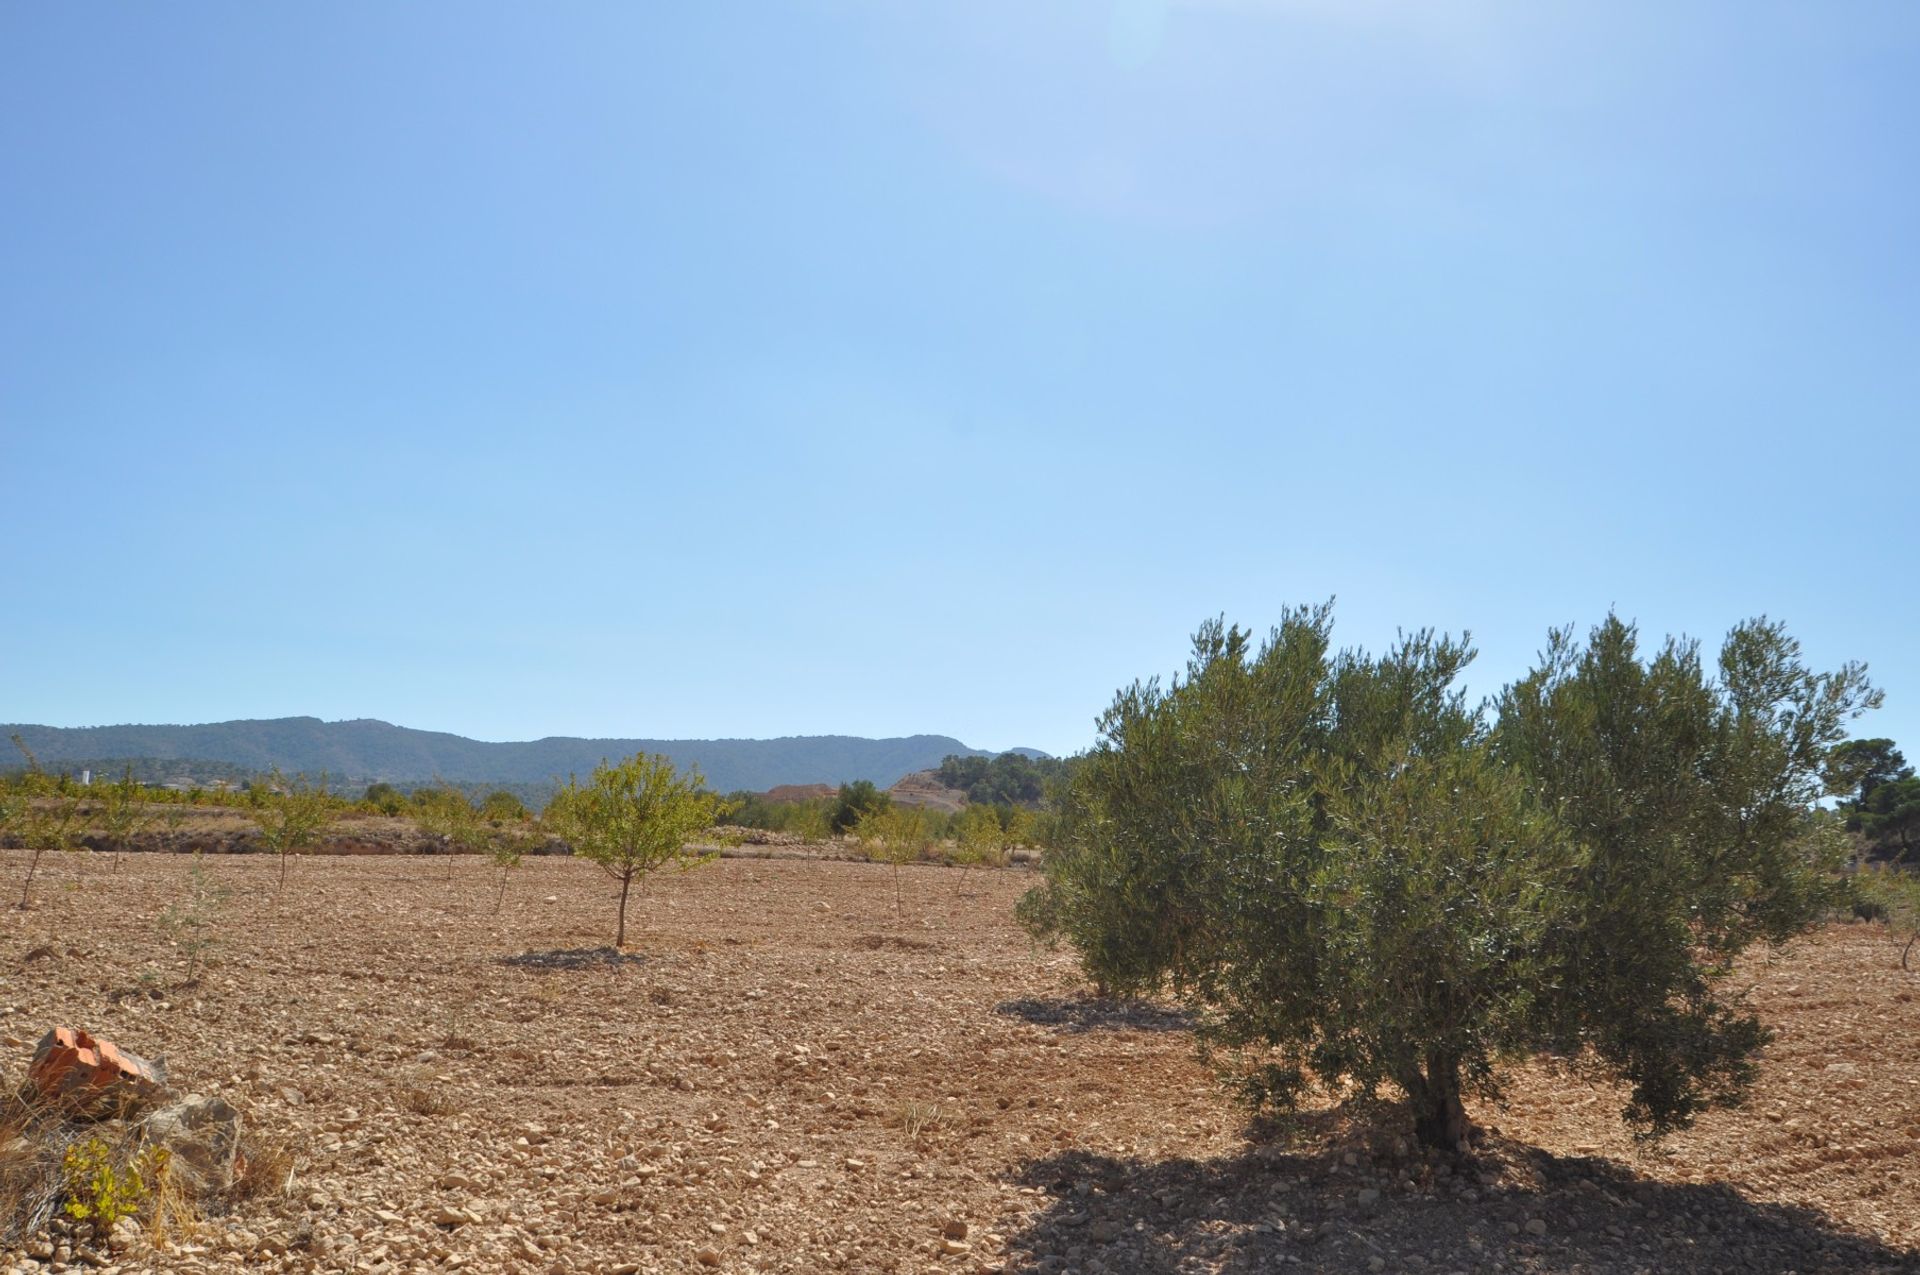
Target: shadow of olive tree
<point>1515,1208</point>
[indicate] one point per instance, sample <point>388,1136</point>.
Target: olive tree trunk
<point>1439,1117</point>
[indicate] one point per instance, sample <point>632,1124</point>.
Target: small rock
<point>708,1257</point>
<point>125,1235</point>
<point>1368,1195</point>
<point>954,1230</point>
<point>1536,1226</point>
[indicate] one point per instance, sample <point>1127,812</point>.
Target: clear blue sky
<point>742,369</point>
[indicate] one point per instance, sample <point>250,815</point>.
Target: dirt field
<point>789,1078</point>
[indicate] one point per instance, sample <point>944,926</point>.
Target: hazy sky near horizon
<point>743,369</point>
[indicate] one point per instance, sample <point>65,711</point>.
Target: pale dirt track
<point>792,1079</point>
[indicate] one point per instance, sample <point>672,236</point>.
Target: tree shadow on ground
<point>1513,1208</point>
<point>1093,1013</point>
<point>576,958</point>
<point>894,943</point>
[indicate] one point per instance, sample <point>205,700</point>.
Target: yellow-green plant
<point>101,1187</point>
<point>633,818</point>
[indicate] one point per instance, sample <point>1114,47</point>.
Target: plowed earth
<point>785,1075</point>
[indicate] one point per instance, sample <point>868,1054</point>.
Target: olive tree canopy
<point>1362,881</point>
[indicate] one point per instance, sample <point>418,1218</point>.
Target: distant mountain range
<point>365,751</point>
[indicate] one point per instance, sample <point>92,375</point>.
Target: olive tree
<point>634,818</point>
<point>1365,883</point>
<point>1690,790</point>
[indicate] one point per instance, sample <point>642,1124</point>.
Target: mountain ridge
<point>358,750</point>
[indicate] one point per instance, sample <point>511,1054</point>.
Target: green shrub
<point>385,798</point>
<point>855,803</point>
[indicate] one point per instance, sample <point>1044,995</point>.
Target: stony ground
<point>791,1077</point>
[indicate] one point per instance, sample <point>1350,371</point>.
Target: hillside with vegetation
<point>365,751</point>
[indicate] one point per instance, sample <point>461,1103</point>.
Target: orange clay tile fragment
<point>76,1071</point>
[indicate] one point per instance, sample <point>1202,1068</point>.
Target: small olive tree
<point>1362,881</point>
<point>634,818</point>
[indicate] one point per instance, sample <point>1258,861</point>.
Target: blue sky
<point>756,369</point>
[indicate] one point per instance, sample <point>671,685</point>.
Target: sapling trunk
<point>33,866</point>
<point>620,932</point>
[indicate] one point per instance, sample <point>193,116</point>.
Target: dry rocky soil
<point>785,1075</point>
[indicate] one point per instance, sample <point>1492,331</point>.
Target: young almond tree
<point>980,841</point>
<point>446,812</point>
<point>509,835</point>
<point>1363,882</point>
<point>42,813</point>
<point>122,813</point>
<point>634,818</point>
<point>291,816</point>
<point>894,835</point>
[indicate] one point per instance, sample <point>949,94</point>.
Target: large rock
<point>92,1077</point>
<point>203,1136</point>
